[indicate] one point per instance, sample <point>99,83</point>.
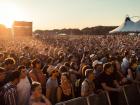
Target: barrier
<point>59,103</point>
<point>132,94</point>
<point>122,98</point>
<point>128,96</point>
<point>76,101</point>
<point>99,99</point>
<point>92,99</point>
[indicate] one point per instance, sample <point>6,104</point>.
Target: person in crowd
<point>2,83</point>
<point>120,77</point>
<point>63,69</point>
<point>2,76</point>
<point>49,64</point>
<point>131,72</point>
<point>109,83</point>
<point>9,64</point>
<point>36,74</point>
<point>74,74</point>
<point>125,62</point>
<point>10,89</point>
<point>65,91</point>
<point>88,86</point>
<point>138,70</point>
<point>52,85</point>
<point>81,51</point>
<point>98,68</point>
<point>24,61</point>
<point>1,58</point>
<point>37,98</point>
<point>24,86</point>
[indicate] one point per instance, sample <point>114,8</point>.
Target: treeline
<point>98,30</point>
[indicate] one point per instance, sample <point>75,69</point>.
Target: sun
<point>9,12</point>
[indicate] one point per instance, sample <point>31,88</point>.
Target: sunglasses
<point>55,71</point>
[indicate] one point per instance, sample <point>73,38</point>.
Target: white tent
<point>127,26</point>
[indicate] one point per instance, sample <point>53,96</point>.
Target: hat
<point>96,62</point>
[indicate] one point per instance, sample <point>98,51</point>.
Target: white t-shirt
<point>24,90</point>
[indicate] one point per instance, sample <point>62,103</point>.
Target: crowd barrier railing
<point>129,95</point>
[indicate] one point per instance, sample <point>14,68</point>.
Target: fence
<point>129,95</point>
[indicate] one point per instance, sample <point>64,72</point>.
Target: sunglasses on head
<point>38,62</point>
<point>55,71</point>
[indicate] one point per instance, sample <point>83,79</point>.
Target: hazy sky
<point>50,14</point>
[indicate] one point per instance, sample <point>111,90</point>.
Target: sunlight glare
<point>9,12</point>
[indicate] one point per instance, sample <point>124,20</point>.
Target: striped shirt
<point>10,94</point>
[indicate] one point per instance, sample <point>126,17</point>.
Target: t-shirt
<point>23,90</point>
<point>52,85</point>
<point>124,65</point>
<point>41,101</point>
<point>88,87</point>
<point>108,79</point>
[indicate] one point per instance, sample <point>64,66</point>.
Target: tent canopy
<point>127,26</point>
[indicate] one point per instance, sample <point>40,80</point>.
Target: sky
<point>58,14</point>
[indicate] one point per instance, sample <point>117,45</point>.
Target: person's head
<point>22,70</point>
<point>93,57</point>
<point>74,65</point>
<point>14,77</point>
<point>49,61</point>
<point>2,74</point>
<point>1,57</point>
<point>112,58</point>
<point>126,54</point>
<point>89,74</point>
<point>36,89</point>
<point>67,64</point>
<point>54,72</point>
<point>65,78</point>
<point>63,69</point>
<point>36,63</point>
<point>108,68</point>
<point>23,60</point>
<point>9,63</point>
<point>97,65</point>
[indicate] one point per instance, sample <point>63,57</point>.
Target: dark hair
<point>112,58</point>
<point>1,55</point>
<point>106,66</point>
<point>72,65</point>
<point>34,62</point>
<point>63,69</point>
<point>9,61</point>
<point>14,75</point>
<point>67,76</point>
<point>66,64</point>
<point>49,60</point>
<point>34,85</point>
<point>126,53</point>
<point>70,57</point>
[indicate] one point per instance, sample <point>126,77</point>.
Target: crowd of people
<point>53,69</point>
